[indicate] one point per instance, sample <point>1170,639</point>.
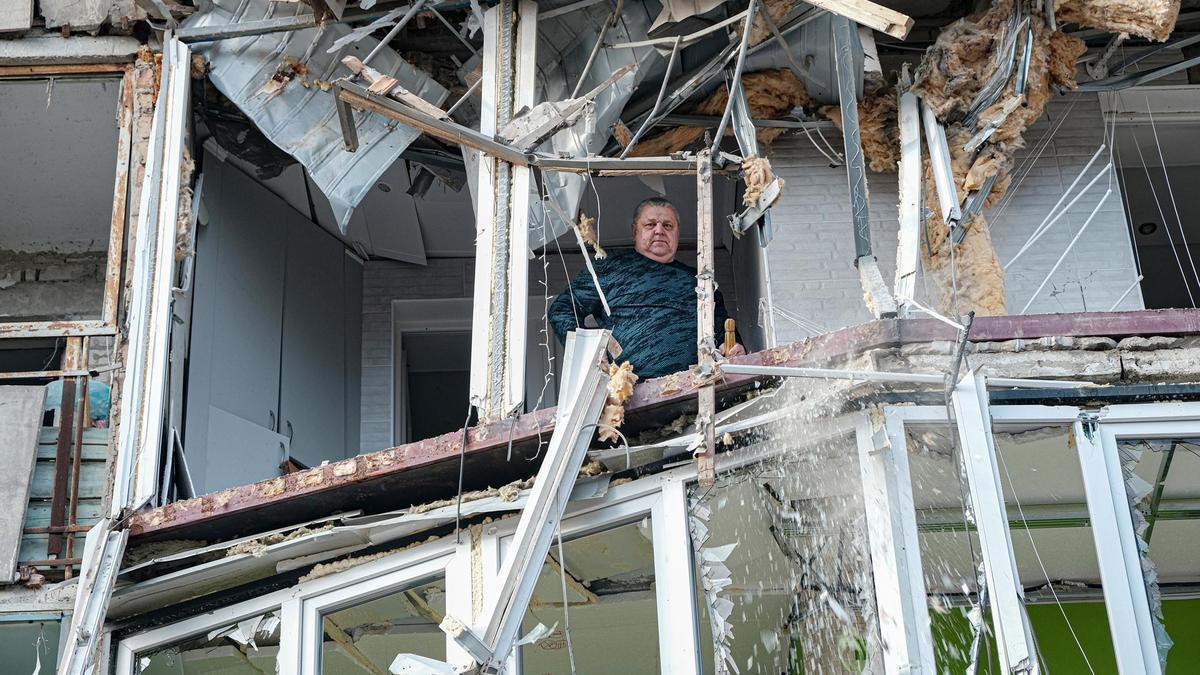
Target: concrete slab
<point>20,424</point>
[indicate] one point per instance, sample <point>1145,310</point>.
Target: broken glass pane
<point>248,647</point>
<point>366,638</point>
<point>610,606</point>
<point>781,565</point>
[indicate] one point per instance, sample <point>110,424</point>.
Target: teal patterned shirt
<point>653,311</point>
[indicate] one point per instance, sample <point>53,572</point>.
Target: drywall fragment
<point>1154,19</point>
<point>769,94</point>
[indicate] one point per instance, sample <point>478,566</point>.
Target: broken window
<point>367,637</point>
<point>64,209</point>
<point>594,606</point>
<point>30,644</point>
<point>782,574</point>
<point>245,648</point>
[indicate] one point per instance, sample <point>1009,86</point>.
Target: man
<point>651,294</point>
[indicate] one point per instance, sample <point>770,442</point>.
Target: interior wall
<point>274,352</point>
<point>812,256</point>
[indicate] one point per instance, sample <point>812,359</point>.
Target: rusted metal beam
<point>64,69</point>
<point>37,329</point>
<point>62,466</point>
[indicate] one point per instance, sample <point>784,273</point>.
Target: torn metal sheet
<point>564,45</point>
<point>275,79</point>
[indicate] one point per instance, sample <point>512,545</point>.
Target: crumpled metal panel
<point>302,120</point>
<point>564,43</point>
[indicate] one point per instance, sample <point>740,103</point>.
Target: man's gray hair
<point>653,201</point>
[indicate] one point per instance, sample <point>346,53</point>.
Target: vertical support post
<point>1014,635</point>
<point>1125,598</point>
<point>675,583</point>
<point>62,464</point>
<point>498,323</point>
<point>845,41</point>
<point>705,342</point>
<point>911,179</point>
<point>895,552</point>
<point>844,38</point>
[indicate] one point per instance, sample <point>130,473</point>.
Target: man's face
<point>656,233</point>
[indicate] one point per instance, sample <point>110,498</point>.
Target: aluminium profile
<point>1016,648</point>
<point>911,181</point>
<point>845,37</point>
<point>582,400</point>
<point>939,159</point>
<point>103,549</point>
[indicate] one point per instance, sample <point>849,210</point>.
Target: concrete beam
<point>57,50</point>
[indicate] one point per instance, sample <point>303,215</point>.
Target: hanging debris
<point>620,387</point>
<point>587,231</point>
<point>987,79</point>
<point>878,124</point>
<point>769,94</point>
<point>757,174</point>
<point>1153,19</point>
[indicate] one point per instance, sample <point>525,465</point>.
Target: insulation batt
<point>769,94</point>
<point>620,387</point>
<point>756,172</point>
<point>950,76</point>
<point>1153,19</point>
<point>878,124</point>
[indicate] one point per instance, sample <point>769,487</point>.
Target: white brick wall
<point>812,256</point>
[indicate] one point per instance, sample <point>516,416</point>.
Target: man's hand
<point>736,350</point>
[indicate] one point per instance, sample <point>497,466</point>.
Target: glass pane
<point>25,643</point>
<point>366,638</point>
<point>786,551</point>
<point>610,605</point>
<point>246,648</point>
<point>1167,518</point>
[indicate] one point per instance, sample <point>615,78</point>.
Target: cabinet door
<point>312,393</point>
<point>237,312</point>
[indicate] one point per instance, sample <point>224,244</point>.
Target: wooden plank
<point>92,452</point>
<point>63,69</point>
<point>870,15</point>
<point>16,15</point>
<point>91,436</point>
<point>705,312</point>
<point>92,481</point>
<point>37,514</point>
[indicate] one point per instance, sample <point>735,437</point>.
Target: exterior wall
<point>385,281</point>
<point>812,268</point>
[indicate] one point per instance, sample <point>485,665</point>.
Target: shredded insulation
<point>757,175</point>
<point>769,94</point>
<point>257,547</point>
<point>325,569</point>
<point>760,30</point>
<point>620,387</point>
<point>950,78</point>
<point>587,231</point>
<point>508,493</point>
<point>1154,19</point>
<point>878,124</point>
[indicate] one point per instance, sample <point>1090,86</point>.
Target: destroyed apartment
<point>743,337</point>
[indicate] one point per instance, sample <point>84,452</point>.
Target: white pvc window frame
<point>1096,435</point>
<point>300,607</point>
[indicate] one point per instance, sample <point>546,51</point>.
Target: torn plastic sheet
<point>266,77</point>
<point>715,577</point>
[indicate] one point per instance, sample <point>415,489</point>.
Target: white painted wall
<point>812,255</point>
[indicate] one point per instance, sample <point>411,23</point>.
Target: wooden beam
<point>870,15</point>
<point>705,340</point>
<point>64,69</point>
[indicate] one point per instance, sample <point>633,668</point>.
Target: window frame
<point>107,323</point>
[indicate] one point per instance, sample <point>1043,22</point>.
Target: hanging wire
<point>462,459</point>
<point>1187,283</point>
<point>562,569</point>
<point>1171,192</point>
